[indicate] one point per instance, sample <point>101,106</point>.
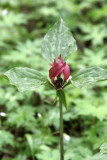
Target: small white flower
<point>39,115</point>
<point>66,137</point>
<point>2,114</point>
<point>4,12</point>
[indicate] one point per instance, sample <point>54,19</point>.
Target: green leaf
<point>62,98</point>
<point>98,157</point>
<point>48,153</point>
<point>30,142</point>
<point>103,148</point>
<point>25,78</point>
<point>58,40</point>
<point>102,155</point>
<point>6,138</point>
<point>55,98</point>
<point>89,76</point>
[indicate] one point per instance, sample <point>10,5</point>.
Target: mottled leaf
<point>98,157</point>
<point>89,76</point>
<point>25,78</point>
<point>103,148</point>
<point>58,40</point>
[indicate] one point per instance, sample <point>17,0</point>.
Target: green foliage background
<point>30,128</point>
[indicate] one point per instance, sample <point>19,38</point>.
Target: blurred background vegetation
<point>29,121</point>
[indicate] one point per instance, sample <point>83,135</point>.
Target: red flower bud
<point>56,70</point>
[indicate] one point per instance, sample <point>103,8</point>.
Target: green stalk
<point>61,132</point>
<point>0,122</point>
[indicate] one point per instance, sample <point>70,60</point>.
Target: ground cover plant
<point>31,119</point>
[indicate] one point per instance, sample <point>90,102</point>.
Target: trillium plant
<point>57,45</point>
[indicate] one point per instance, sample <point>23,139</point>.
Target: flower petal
<point>59,68</point>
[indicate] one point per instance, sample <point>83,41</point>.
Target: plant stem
<point>33,156</point>
<point>61,132</point>
<point>0,122</point>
